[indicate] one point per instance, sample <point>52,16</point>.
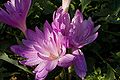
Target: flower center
<point>52,57</point>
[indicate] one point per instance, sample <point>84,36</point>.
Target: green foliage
<point>84,3</point>
<point>118,54</point>
<point>5,57</point>
<point>110,74</point>
<point>96,75</point>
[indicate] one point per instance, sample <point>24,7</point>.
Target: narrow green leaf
<point>5,57</point>
<point>118,54</point>
<point>2,75</point>
<point>84,4</point>
<point>110,74</point>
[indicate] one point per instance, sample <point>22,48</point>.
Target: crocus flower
<point>15,13</point>
<point>45,49</point>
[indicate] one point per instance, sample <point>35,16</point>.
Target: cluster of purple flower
<point>47,49</point>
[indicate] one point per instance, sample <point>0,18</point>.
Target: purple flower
<point>15,13</point>
<point>78,32</point>
<point>45,49</point>
<point>61,22</point>
<point>82,32</point>
<point>80,64</point>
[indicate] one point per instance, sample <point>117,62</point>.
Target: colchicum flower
<point>78,32</point>
<point>45,49</point>
<point>79,63</point>
<point>82,32</point>
<point>15,13</point>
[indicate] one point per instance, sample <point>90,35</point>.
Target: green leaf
<point>110,74</point>
<point>2,74</point>
<point>49,7</point>
<point>118,54</point>
<point>84,4</point>
<point>5,57</point>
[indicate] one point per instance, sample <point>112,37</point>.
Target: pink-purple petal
<point>80,64</point>
<point>31,61</point>
<point>66,61</point>
<point>24,51</point>
<point>40,67</point>
<point>88,40</point>
<point>51,65</point>
<point>15,13</point>
<point>40,75</point>
<point>29,43</point>
<point>78,18</point>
